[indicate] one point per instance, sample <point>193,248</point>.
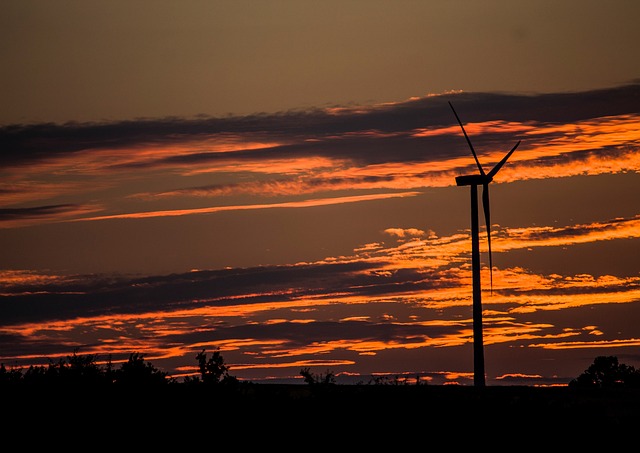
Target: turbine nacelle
<point>473,180</point>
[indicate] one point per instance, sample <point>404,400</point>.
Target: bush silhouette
<point>317,379</point>
<point>606,372</point>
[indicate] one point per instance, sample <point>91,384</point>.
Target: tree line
<point>79,369</point>
<point>76,369</point>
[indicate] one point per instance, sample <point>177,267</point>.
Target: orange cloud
<point>290,204</point>
<point>632,342</point>
<point>404,232</point>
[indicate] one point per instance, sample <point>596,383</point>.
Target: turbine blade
<point>495,169</point>
<point>487,220</point>
<point>475,156</point>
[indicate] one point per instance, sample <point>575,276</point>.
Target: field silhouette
<point>77,394</point>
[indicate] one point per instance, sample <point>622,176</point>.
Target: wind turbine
<point>474,181</point>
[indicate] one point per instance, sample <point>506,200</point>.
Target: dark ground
<point>307,417</point>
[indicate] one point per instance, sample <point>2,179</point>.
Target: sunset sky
<point>276,179</point>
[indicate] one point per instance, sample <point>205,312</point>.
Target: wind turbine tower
<point>473,181</point>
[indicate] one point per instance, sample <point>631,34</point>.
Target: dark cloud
<point>296,335</point>
<point>363,150</point>
<point>564,107</point>
<point>95,296</point>
<point>572,231</point>
<point>36,212</point>
<point>22,144</point>
<point>268,187</point>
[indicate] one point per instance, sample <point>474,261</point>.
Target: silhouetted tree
<point>11,376</point>
<point>213,371</point>
<point>606,372</point>
<point>75,369</point>
<point>39,374</point>
<point>137,372</point>
<point>81,369</point>
<point>395,380</point>
<point>318,379</point>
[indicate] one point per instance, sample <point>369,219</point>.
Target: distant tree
<point>39,374</point>
<point>606,372</point>
<point>395,380</point>
<point>10,376</point>
<point>81,369</point>
<point>318,379</point>
<point>75,369</point>
<point>137,372</point>
<point>109,372</point>
<point>213,371</point>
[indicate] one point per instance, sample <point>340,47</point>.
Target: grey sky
<point>110,60</point>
